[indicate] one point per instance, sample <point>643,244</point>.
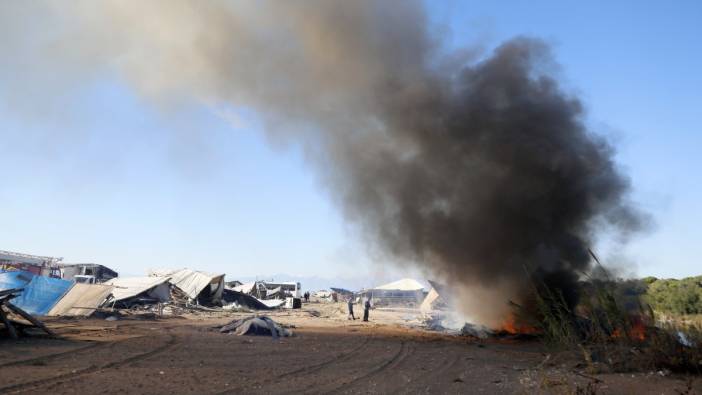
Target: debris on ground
<point>13,326</point>
<point>258,326</point>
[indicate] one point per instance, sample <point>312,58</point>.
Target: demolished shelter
<point>81,300</point>
<point>402,292</point>
<point>42,296</point>
<point>199,287</point>
<point>257,295</point>
<point>131,291</point>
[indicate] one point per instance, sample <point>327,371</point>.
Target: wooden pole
<point>29,318</point>
<point>8,324</point>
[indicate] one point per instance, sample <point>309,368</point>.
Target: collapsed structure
<point>41,295</point>
<point>198,287</point>
<point>45,286</point>
<point>132,291</point>
<point>402,292</point>
<point>272,294</point>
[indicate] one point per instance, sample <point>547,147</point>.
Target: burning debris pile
<point>612,327</point>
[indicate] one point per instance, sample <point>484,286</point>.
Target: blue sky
<point>113,179</point>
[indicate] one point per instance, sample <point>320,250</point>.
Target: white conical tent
<point>406,284</point>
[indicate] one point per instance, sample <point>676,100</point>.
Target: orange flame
<point>510,325</point>
<point>637,330</point>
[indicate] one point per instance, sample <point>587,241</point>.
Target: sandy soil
<point>328,354</point>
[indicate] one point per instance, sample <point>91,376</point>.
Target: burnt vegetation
<point>615,327</point>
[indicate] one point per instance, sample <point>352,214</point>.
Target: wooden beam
<point>8,324</point>
<point>29,318</point>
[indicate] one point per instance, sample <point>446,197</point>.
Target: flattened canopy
<point>194,282</point>
<point>81,300</point>
<point>129,287</point>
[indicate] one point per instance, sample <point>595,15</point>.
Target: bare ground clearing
<point>328,354</point>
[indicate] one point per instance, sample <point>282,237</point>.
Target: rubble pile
<point>255,326</point>
<point>41,286</point>
<point>8,310</point>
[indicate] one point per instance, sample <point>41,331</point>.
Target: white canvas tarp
<point>428,303</point>
<point>81,300</point>
<point>438,298</point>
<point>245,288</point>
<point>129,287</point>
<point>193,282</point>
<point>406,284</point>
<point>273,303</point>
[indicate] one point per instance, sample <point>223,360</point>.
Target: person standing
<point>350,304</point>
<point>366,310</point>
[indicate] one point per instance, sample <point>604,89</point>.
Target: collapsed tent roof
<point>129,287</point>
<point>406,284</point>
<point>81,300</point>
<point>192,282</point>
<point>40,294</point>
<point>272,303</point>
<point>243,300</point>
<point>245,288</point>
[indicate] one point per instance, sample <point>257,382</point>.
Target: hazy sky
<point>107,177</point>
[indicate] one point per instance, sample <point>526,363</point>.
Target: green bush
<point>675,296</point>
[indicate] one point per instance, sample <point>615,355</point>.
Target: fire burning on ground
<point>635,329</point>
<point>512,326</point>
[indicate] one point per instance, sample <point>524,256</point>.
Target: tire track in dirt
<point>36,384</point>
<point>406,349</point>
<point>49,357</point>
<point>93,346</point>
<point>316,367</point>
<point>447,362</point>
<point>305,370</point>
<point>428,379</point>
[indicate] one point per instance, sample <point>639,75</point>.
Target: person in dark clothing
<point>351,316</point>
<point>366,309</point>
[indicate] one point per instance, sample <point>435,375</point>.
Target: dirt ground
<point>327,354</point>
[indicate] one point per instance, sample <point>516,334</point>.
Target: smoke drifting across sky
<point>471,168</point>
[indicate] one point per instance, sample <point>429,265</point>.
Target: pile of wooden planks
<point>7,309</point>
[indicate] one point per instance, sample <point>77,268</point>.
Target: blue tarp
<point>14,279</point>
<point>39,295</point>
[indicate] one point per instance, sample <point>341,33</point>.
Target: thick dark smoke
<point>502,177</point>
<point>481,171</point>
